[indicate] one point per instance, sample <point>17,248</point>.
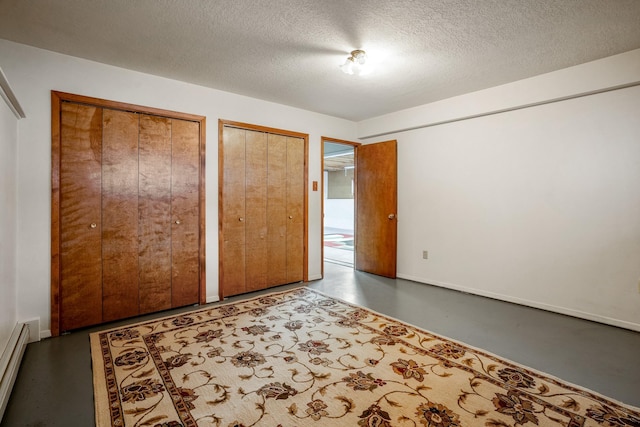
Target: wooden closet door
<point>119,215</point>
<point>80,216</point>
<point>256,262</point>
<point>295,209</point>
<point>185,214</point>
<point>232,261</point>
<point>154,210</point>
<point>277,210</point>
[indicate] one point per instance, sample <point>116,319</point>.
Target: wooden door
<point>80,215</point>
<point>185,214</point>
<point>295,209</point>
<point>232,233</point>
<point>256,262</point>
<point>127,210</point>
<point>119,214</point>
<point>263,207</point>
<point>154,213</point>
<point>376,205</point>
<point>277,210</point>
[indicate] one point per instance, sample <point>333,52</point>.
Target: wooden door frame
<point>57,98</point>
<point>247,126</point>
<point>355,146</point>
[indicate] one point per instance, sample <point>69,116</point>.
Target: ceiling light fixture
<point>355,63</point>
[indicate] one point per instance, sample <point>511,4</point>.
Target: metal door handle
<point>93,225</point>
<point>178,221</point>
<point>240,219</point>
<point>391,216</point>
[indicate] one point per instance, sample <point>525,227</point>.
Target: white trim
<point>9,97</point>
<point>10,362</point>
<point>534,304</point>
<point>212,298</point>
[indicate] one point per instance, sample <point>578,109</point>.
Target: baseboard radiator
<point>10,362</point>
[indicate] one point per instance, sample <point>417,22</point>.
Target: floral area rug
<point>301,358</point>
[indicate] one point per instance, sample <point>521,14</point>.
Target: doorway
<point>338,202</point>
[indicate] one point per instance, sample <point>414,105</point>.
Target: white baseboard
<point>535,304</point>
<point>10,362</point>
<point>212,298</point>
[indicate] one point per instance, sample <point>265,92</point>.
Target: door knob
<point>93,225</point>
<point>290,217</point>
<point>391,216</point>
<point>240,219</point>
<point>178,221</point>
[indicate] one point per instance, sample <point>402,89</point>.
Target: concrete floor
<point>54,385</point>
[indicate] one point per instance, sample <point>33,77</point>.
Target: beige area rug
<point>300,358</point>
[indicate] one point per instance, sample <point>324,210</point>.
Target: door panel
<point>277,210</point>
<point>232,263</point>
<point>376,205</point>
<point>295,209</point>
<point>256,210</point>
<point>185,214</point>
<point>80,216</point>
<point>154,208</point>
<point>119,214</point>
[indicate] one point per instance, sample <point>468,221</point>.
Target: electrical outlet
<point>425,254</point>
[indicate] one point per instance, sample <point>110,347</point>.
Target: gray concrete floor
<point>54,385</point>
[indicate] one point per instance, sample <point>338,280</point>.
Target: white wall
<point>338,213</point>
<point>35,72</point>
<point>8,222</point>
<point>539,205</point>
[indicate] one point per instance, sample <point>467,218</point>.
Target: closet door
<point>119,215</point>
<point>256,263</point>
<point>80,216</point>
<point>233,251</point>
<point>277,210</point>
<point>154,210</point>
<point>295,209</point>
<point>263,208</point>
<point>185,214</point>
<point>127,209</point>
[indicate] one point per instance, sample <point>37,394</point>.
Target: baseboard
<point>534,304</point>
<point>212,298</point>
<point>10,362</point>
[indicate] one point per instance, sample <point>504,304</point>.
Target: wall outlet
<point>425,254</point>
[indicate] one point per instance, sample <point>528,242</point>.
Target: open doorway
<point>338,201</point>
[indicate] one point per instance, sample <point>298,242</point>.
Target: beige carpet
<point>300,358</point>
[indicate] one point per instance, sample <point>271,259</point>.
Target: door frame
<point>355,146</point>
<point>57,98</point>
<point>305,232</point>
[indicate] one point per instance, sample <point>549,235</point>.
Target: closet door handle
<point>241,219</point>
<point>290,217</point>
<point>177,221</point>
<point>391,216</point>
<point>93,225</point>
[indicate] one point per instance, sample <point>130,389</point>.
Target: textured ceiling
<point>288,51</point>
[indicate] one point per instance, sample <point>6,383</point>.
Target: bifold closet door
<point>232,261</point>
<point>154,213</point>
<point>120,246</point>
<point>80,215</point>
<point>295,209</point>
<point>127,223</point>
<point>285,209</point>
<point>277,209</point>
<point>256,264</point>
<point>262,210</point>
<point>185,214</point>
